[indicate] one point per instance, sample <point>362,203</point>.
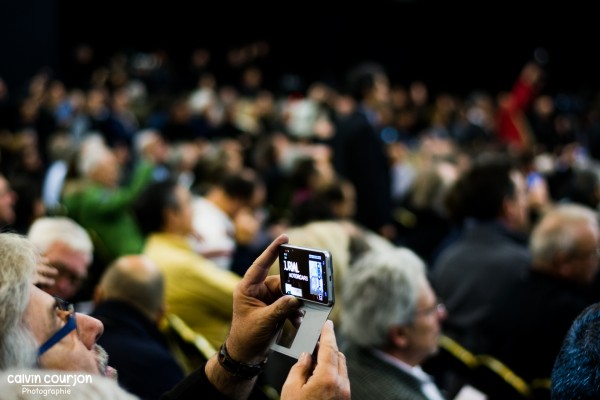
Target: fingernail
<point>304,357</point>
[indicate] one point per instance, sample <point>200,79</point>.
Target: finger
<point>259,269</point>
<point>46,270</point>
<point>299,373</point>
<point>328,350</point>
<point>282,308</point>
<point>41,280</point>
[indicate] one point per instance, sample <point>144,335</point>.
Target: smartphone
<point>307,274</point>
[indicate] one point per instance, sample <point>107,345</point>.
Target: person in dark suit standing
<point>359,154</point>
<point>390,324</point>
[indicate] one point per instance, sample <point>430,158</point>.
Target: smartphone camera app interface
<point>304,274</point>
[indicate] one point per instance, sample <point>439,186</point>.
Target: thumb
<point>284,307</point>
<point>299,373</point>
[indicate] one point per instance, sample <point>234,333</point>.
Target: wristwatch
<point>239,369</point>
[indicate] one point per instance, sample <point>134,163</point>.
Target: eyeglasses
<point>438,308</point>
<point>62,307</point>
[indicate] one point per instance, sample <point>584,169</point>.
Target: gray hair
<point>136,280</point>
<point>17,267</point>
<point>144,138</point>
<point>379,291</point>
<point>557,232</point>
<point>92,151</point>
<point>47,230</point>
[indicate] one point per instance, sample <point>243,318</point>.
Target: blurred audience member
<point>479,270</point>
<point>29,205</point>
<point>149,145</point>
<point>357,138</point>
<point>391,323</point>
<point>196,289</point>
<point>129,301</point>
<point>7,202</point>
<point>61,153</point>
<point>67,247</point>
<point>103,207</point>
<point>513,127</point>
<point>421,219</point>
<point>532,323</point>
<point>219,216</point>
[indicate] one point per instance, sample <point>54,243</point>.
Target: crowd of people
<point>137,194</point>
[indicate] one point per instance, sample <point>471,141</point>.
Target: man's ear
<point>508,207</point>
<point>399,336</point>
<point>99,294</point>
<point>161,314</point>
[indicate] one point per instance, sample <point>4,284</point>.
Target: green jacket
<point>107,216</point>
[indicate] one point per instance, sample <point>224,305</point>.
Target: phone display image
<point>306,273</point>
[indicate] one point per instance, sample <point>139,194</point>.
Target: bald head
<point>565,242</point>
<point>136,280</point>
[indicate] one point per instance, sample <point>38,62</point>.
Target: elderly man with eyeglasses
<point>391,323</point>
<point>36,327</point>
<point>39,329</point>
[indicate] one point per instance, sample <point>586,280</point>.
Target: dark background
<point>453,46</point>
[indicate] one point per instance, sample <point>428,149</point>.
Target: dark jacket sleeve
<point>197,386</point>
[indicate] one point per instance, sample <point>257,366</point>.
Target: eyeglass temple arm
<point>57,337</point>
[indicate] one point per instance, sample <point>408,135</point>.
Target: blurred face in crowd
<point>423,335</point>
<point>181,217</point>
<point>77,350</point>
<point>72,269</point>
<point>584,259</point>
<point>7,202</point>
<point>107,171</point>
<point>517,207</point>
<point>381,89</point>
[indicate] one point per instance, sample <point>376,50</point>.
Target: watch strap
<point>239,369</point>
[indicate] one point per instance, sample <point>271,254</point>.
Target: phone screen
<point>306,273</point>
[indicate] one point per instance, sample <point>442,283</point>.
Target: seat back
<point>496,379</point>
<point>541,388</point>
<point>455,367</point>
<point>190,348</point>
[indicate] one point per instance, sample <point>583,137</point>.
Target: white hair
<point>17,266</point>
<point>45,231</point>
<point>92,151</point>
<point>145,138</point>
<point>380,290</point>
